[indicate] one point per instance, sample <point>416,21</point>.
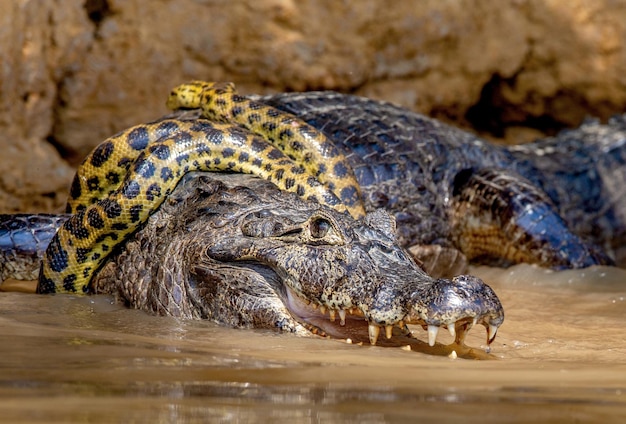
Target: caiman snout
<point>458,305</point>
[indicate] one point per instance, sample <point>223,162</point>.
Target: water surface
<point>559,357</point>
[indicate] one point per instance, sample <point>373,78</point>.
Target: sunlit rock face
<point>76,71</point>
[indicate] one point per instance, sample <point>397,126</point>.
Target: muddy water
<point>560,356</point>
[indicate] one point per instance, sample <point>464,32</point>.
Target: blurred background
<point>77,71</point>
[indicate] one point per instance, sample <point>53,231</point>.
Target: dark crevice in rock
<point>97,10</point>
<point>63,151</point>
<point>494,113</point>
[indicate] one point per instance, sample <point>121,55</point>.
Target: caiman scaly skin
<point>559,202</point>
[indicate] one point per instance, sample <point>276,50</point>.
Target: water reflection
<point>559,356</point>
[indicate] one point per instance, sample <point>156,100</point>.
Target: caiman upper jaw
<point>457,305</point>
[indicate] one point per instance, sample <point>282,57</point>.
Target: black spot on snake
<point>257,145</point>
<point>166,174</point>
<point>144,168</point>
<point>274,154</point>
<point>135,213</point>
<point>82,254</point>
<point>102,153</point>
<point>131,189</point>
<point>166,128</point>
<point>57,256</point>
<point>161,151</point>
<point>75,189</point>
<point>269,126</point>
<point>111,208</point>
<point>68,283</point>
<point>298,170</point>
<point>94,219</point>
<point>119,226</point>
<point>236,111</point>
<point>340,170</point>
<point>285,134</point>
<point>349,195</point>
<point>138,138</point>
<point>153,191</point>
<point>75,227</point>
<point>113,178</point>
<point>254,118</point>
<point>93,183</point>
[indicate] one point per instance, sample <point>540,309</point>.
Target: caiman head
<point>251,255</point>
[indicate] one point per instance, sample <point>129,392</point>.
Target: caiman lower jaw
<point>458,330</point>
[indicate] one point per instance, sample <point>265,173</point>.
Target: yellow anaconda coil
<point>133,172</point>
<point>300,141</point>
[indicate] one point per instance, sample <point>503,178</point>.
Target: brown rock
<point>76,71</point>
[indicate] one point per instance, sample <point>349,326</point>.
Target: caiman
<point>448,196</point>
<point>234,249</point>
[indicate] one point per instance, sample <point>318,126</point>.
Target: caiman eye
<point>319,228</point>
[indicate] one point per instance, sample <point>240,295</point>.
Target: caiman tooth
<point>342,317</point>
<point>323,309</point>
<point>432,334</point>
<point>388,331</point>
<point>491,333</point>
<point>331,314</point>
<point>374,331</point>
<point>452,330</point>
<point>401,324</point>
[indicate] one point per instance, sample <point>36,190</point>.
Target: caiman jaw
<point>459,330</point>
<point>323,318</point>
<point>458,324</point>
